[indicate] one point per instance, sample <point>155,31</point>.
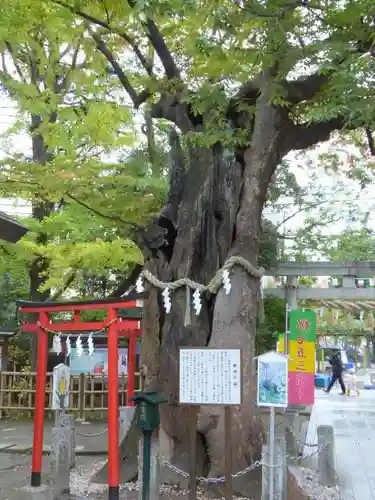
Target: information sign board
<point>210,376</point>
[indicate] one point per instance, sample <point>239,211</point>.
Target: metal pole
<point>272,453</point>
<point>193,453</point>
<point>286,329</point>
<point>146,465</point>
<point>228,454</point>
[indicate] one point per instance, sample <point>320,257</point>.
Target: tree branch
<point>160,46</point>
<point>68,281</point>
<point>136,98</point>
<point>302,209</point>
<point>370,140</point>
<point>170,107</point>
<point>248,92</point>
<point>105,216</point>
<point>303,136</point>
<point>305,89</point>
<point>15,63</point>
<point>128,39</point>
<point>2,247</point>
<point>127,282</point>
<point>6,80</point>
<point>63,53</point>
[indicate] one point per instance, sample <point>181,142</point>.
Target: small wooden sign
<point>60,387</point>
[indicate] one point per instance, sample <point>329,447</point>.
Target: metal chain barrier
<point>93,434</point>
<point>208,480</point>
<point>97,434</point>
<point>258,463</point>
<point>315,452</point>
<point>300,441</point>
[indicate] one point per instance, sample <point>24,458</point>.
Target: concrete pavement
<point>353,420</point>
<point>16,436</point>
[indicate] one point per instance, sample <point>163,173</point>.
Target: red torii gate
<point>116,326</point>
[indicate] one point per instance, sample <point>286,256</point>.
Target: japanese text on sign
<point>302,341</point>
<point>210,376</point>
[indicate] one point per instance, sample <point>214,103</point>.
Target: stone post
<point>126,417</point>
<point>60,460</point>
<point>326,455</point>
<point>155,469</point>
<point>291,441</point>
<point>68,422</point>
<point>72,442</point>
<point>303,436</point>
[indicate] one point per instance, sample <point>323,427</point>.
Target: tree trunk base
<point>128,459</point>
<point>178,455</point>
<point>248,485</point>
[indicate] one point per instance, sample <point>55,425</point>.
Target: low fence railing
<point>88,394</point>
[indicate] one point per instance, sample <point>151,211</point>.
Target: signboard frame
<point>181,348</point>
<point>274,358</point>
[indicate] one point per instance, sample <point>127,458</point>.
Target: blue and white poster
<point>272,387</point>
<point>97,363</point>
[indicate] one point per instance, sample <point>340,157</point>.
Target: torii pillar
<point>291,292</point>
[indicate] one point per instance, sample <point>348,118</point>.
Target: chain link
<point>208,480</point>
<point>300,441</point>
<point>320,448</point>
<point>96,434</point>
<point>92,434</point>
<point>254,465</point>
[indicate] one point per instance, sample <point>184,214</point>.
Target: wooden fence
<point>88,395</point>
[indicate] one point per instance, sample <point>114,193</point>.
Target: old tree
<point>244,83</point>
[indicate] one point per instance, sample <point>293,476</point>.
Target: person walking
<point>337,371</point>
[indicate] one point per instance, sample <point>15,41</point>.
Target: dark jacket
<point>336,363</point>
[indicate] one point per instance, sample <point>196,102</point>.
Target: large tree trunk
<point>218,215</point>
<point>37,271</point>
<point>40,210</point>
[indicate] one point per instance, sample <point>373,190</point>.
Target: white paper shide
<point>210,376</point>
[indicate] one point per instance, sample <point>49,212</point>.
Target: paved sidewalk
<point>16,436</point>
<point>353,420</point>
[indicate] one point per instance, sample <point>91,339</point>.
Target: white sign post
<point>60,387</point>
<point>272,391</point>
<point>210,376</point>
